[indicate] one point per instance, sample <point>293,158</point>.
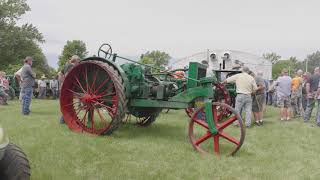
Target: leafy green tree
<point>157,58</point>
<point>17,42</point>
<point>272,57</point>
<point>313,61</point>
<point>75,47</point>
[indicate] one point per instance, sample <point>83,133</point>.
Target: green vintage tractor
<point>97,93</point>
<point>13,161</point>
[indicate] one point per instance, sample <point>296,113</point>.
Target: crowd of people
<point>296,96</point>
<point>26,78</point>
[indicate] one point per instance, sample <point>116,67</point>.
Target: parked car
<point>14,164</point>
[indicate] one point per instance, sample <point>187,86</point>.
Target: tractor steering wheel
<point>106,50</point>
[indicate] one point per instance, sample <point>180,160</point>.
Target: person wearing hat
<point>283,90</point>
<point>42,87</point>
<point>27,84</point>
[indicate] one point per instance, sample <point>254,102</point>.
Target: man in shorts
<point>283,84</point>
<point>259,98</point>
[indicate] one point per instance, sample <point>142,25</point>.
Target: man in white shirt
<point>54,86</point>
<point>17,75</point>
<point>42,86</point>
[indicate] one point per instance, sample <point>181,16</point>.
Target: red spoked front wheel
<point>226,140</point>
<point>92,98</point>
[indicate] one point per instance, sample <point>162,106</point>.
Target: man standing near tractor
<point>28,77</point>
<point>67,68</point>
<point>246,86</point>
<point>259,99</point>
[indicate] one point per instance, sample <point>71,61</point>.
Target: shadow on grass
<point>156,130</point>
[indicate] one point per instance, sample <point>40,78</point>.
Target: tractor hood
<point>4,141</point>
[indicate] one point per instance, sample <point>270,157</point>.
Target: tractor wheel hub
<point>88,98</point>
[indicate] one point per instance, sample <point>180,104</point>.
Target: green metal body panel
<point>196,71</point>
<point>190,94</point>
<point>209,117</point>
<point>157,103</point>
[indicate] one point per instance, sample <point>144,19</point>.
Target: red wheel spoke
<point>227,123</point>
<point>83,120</point>
<point>92,118</point>
<point>102,84</point>
<point>110,94</point>
<point>203,138</point>
<point>216,145</point>
<point>94,81</point>
<point>70,104</point>
<point>77,93</point>
<point>105,91</point>
<point>79,84</point>
<point>229,138</point>
<point>85,74</point>
<point>201,123</point>
<point>109,100</point>
<point>105,106</point>
<point>103,120</point>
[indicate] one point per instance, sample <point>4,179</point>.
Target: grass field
<point>278,150</point>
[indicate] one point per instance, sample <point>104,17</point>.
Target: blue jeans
<point>244,104</point>
<point>310,105</point>
<point>26,100</point>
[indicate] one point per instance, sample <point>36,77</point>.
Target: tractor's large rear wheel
<point>227,140</point>
<point>92,98</point>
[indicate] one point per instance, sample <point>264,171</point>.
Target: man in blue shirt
<point>283,89</point>
<point>28,77</point>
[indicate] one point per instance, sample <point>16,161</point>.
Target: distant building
<point>228,59</point>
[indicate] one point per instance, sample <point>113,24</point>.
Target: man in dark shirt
<point>258,100</point>
<point>28,77</point>
<point>312,88</point>
<point>67,68</point>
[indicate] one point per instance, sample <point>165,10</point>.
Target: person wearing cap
<point>42,87</point>
<point>296,94</point>
<point>27,84</point>
<point>245,87</point>
<point>74,60</point>
<point>312,91</point>
<point>283,88</point>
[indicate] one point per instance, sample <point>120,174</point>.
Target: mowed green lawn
<point>278,150</point>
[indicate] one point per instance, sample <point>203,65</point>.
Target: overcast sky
<point>179,27</point>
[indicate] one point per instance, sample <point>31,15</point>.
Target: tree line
<point>292,63</point>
